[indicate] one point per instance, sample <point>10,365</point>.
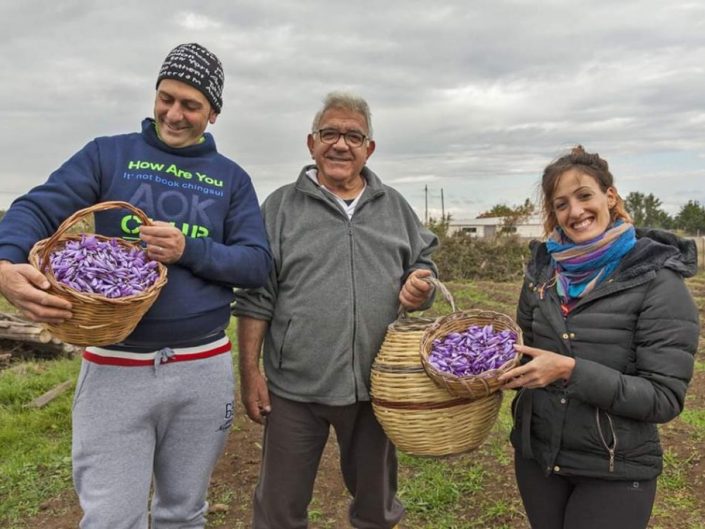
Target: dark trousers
<point>294,438</point>
<point>570,502</point>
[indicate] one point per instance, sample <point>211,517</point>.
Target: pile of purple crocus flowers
<point>91,265</point>
<point>474,351</point>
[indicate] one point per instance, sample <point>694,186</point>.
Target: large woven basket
<point>97,319</point>
<point>418,416</point>
<point>476,386</point>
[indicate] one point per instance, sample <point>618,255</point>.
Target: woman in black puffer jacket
<point>610,332</point>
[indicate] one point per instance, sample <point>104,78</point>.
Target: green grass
<point>676,500</point>
<point>497,442</point>
<point>674,476</point>
<point>5,306</point>
<point>471,295</point>
<point>436,493</point>
<point>317,516</point>
<point>435,485</point>
<point>218,496</point>
<point>695,418</point>
<point>35,444</point>
<point>700,365</point>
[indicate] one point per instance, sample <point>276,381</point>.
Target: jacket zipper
<point>610,449</point>
<point>354,306</point>
<point>362,202</point>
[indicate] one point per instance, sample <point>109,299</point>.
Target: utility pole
<point>443,207</point>
<point>426,210</point>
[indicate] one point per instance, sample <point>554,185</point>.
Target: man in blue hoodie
<point>157,407</point>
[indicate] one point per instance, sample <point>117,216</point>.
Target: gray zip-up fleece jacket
<point>633,339</point>
<point>334,286</point>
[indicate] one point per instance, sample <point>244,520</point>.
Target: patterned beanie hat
<point>195,65</point>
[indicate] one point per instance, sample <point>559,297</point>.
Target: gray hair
<point>345,101</point>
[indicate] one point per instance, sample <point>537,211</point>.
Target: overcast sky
<point>473,98</point>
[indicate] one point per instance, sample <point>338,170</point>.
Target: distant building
<point>487,228</point>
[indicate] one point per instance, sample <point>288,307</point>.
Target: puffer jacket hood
<point>657,249</point>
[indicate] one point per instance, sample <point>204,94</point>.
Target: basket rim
<point>91,297</point>
<point>462,316</point>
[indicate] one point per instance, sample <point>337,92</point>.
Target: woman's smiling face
<point>582,209</point>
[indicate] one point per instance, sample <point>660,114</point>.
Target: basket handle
<point>78,215</point>
<point>402,314</point>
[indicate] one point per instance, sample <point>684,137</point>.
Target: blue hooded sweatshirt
<point>207,196</point>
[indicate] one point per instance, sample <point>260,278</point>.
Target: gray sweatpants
<point>134,426</point>
<point>294,438</point>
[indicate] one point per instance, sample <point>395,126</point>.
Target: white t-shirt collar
<point>348,208</point>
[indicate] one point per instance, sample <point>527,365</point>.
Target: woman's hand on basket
<point>544,368</point>
<point>255,395</point>
<point>165,243</point>
<point>25,287</point>
<point>415,290</point>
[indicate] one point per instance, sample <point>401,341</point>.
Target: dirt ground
<point>236,474</point>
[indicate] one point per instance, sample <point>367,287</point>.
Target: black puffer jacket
<point>633,339</point>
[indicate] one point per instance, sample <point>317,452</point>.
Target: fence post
<point>699,241</point>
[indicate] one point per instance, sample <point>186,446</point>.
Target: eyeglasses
<point>331,137</point>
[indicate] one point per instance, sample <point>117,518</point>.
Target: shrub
<point>464,258</point>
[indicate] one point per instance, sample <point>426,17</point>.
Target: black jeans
<point>573,502</point>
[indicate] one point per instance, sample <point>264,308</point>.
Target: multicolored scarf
<point>579,268</point>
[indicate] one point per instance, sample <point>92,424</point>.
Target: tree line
<point>646,211</point>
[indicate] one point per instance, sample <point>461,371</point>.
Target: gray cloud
<point>473,98</point>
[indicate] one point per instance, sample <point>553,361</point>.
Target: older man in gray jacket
<point>348,250</point>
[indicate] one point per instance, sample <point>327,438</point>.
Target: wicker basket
<point>419,417</point>
<point>97,319</point>
<point>475,386</point>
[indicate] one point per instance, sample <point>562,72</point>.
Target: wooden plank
<point>25,333</point>
<point>14,328</point>
<point>50,395</point>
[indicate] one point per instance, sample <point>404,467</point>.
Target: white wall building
<point>486,228</point>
